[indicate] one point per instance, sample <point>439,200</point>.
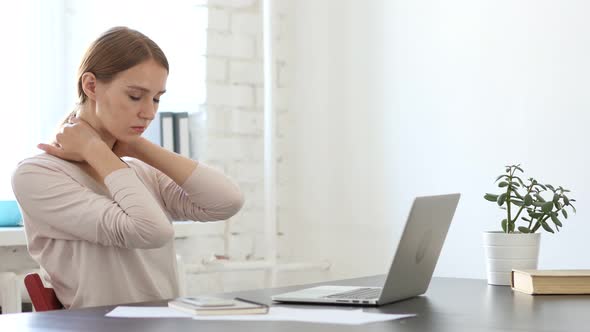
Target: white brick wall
<point>247,122</point>
<point>234,140</point>
<point>232,3</point>
<point>218,19</point>
<point>224,44</point>
<point>216,70</point>
<point>230,94</point>
<point>246,72</point>
<point>248,23</point>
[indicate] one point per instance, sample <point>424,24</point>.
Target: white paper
<point>147,312</point>
<point>327,316</point>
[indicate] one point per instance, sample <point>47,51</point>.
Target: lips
<point>138,129</point>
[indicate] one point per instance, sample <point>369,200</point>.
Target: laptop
<point>413,263</point>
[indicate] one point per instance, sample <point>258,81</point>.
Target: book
<point>198,134</point>
<point>181,134</point>
<point>239,307</point>
<point>551,281</point>
<point>161,130</point>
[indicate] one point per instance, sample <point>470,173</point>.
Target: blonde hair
<point>116,50</point>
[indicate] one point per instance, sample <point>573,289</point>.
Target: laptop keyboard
<point>357,294</point>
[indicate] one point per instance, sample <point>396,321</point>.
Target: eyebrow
<point>137,87</point>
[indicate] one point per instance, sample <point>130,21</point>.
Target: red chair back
<point>43,299</point>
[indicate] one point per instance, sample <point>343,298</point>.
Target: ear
<point>89,85</point>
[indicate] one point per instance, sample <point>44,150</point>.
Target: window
<point>44,41</point>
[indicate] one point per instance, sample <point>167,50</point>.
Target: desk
<point>451,304</point>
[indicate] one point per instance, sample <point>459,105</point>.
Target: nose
<point>148,112</point>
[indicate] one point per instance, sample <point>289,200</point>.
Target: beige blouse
<point>113,243</point>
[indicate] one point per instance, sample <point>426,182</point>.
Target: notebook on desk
<point>236,306</point>
<point>413,262</point>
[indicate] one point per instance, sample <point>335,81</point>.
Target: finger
<point>54,143</point>
<point>51,149</point>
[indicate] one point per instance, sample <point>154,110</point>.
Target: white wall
<point>234,141</point>
<point>392,99</point>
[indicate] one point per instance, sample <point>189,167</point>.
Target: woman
<point>99,226</point>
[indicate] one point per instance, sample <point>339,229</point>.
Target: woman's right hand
<point>74,141</point>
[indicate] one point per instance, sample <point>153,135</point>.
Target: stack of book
<point>171,130</point>
<point>551,281</point>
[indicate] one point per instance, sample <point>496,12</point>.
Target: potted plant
<point>530,206</point>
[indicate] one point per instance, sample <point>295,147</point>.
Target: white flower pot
<point>505,252</point>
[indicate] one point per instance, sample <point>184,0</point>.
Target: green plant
<point>519,196</point>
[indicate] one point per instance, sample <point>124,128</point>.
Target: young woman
<point>98,225</point>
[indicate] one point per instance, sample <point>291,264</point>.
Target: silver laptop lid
<point>419,247</point>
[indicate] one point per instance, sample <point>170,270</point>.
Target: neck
<point>87,112</point>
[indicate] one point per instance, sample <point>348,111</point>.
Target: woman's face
<point>127,104</point>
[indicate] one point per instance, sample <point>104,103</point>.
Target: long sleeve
<point>66,210</point>
<point>206,195</point>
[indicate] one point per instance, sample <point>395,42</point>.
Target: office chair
<point>43,299</point>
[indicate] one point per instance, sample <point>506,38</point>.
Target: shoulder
<point>42,171</point>
<point>44,163</point>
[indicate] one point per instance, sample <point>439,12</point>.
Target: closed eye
<point>156,100</point>
<point>134,98</point>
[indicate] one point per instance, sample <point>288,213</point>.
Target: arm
<point>102,159</point>
<point>62,208</point>
<point>190,190</point>
<point>207,195</point>
<point>56,203</point>
<point>175,166</point>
